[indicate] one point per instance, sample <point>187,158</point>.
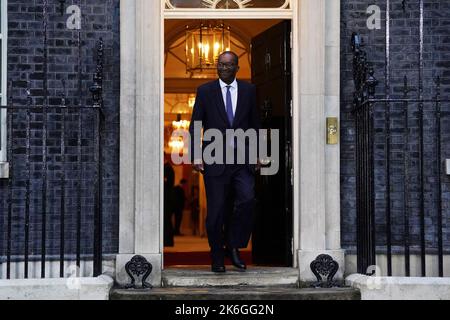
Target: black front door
<point>271,73</point>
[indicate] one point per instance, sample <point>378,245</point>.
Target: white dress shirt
<point>234,94</point>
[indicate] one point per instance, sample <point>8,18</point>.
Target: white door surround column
<point>141,142</point>
<point>319,192</point>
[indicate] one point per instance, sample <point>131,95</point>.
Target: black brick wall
<point>100,19</point>
<point>404,61</point>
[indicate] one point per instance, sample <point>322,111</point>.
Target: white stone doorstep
<point>400,288</point>
<point>57,289</point>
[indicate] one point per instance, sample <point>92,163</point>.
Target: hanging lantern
<point>180,124</point>
<point>176,145</point>
<point>204,44</point>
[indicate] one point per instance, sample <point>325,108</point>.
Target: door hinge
<point>292,176</point>
<point>291,40</point>
<point>291,109</point>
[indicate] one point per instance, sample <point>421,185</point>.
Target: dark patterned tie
<point>229,106</point>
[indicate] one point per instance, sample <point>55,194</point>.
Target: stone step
<point>236,293</point>
<point>257,283</point>
<point>201,276</point>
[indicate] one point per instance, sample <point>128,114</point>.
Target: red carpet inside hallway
<point>197,258</point>
<point>194,251</point>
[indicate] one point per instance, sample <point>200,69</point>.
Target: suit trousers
<point>230,205</point>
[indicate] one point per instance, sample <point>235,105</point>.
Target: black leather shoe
<point>235,258</point>
<point>218,268</point>
<point>217,261</point>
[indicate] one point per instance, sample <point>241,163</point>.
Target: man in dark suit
<point>227,104</point>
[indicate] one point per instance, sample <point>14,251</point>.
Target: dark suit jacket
<point>210,109</point>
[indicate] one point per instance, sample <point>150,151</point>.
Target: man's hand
<point>199,167</point>
<point>265,163</point>
<point>258,166</point>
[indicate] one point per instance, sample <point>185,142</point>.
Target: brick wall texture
<point>100,19</point>
<point>404,60</point>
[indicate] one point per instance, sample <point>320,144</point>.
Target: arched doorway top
<point>226,4</point>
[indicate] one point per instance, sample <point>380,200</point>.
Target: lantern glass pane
<point>204,44</point>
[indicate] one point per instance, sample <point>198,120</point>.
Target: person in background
<point>169,181</point>
<point>195,211</point>
<point>178,205</point>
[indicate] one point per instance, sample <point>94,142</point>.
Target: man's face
<point>227,68</point>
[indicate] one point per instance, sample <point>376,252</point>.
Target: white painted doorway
<point>316,56</point>
<point>254,14</point>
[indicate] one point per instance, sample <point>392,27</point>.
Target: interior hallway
<point>191,250</point>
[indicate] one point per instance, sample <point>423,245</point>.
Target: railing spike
<point>405,86</point>
<point>63,94</point>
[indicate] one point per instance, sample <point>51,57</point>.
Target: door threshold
<point>255,276</point>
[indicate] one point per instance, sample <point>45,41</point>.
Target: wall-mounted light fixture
<point>191,101</point>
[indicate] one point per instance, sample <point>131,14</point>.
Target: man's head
<point>228,66</point>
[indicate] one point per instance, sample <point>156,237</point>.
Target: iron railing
<point>396,115</point>
<point>56,190</point>
<point>60,147</point>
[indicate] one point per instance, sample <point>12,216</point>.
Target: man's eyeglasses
<point>221,65</point>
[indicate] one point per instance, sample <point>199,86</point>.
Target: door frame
<point>251,14</point>
<point>316,94</point>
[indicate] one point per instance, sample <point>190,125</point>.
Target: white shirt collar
<point>223,85</point>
